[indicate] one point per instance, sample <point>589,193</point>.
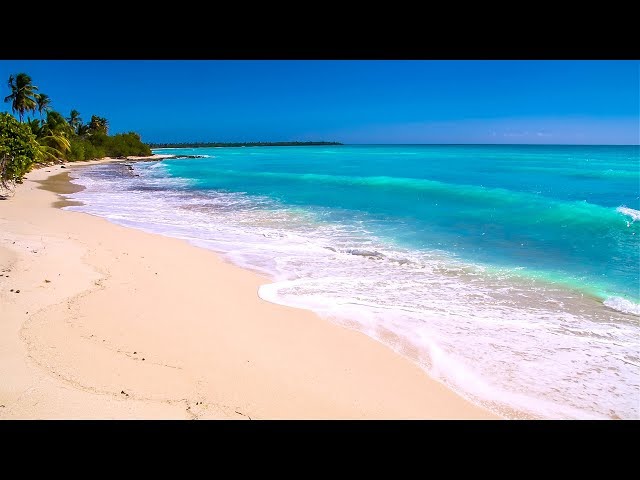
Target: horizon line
<point>430,144</point>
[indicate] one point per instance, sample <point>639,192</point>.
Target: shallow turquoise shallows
<point>550,209</point>
<point>511,273</point>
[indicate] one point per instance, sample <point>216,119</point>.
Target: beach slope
<point>98,321</point>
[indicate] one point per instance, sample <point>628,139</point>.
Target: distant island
<point>239,144</point>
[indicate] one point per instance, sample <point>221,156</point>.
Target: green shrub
<point>127,144</point>
<point>83,149</point>
<point>77,151</point>
<point>100,145</point>
<point>18,149</point>
<point>91,151</point>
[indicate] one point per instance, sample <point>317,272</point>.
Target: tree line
<point>53,137</point>
<point>238,144</point>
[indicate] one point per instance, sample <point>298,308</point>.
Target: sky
<point>350,101</point>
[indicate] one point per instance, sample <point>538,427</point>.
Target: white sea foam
<point>623,305</point>
<point>520,348</point>
<point>634,214</point>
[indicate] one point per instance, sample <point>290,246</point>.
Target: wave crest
<point>623,305</point>
<point>634,214</point>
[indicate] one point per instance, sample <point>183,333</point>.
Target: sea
<point>510,273</point>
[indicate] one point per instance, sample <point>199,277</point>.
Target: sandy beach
<point>99,321</point>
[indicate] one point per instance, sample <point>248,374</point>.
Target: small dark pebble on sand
<point>135,353</point>
<point>143,359</point>
<point>17,291</point>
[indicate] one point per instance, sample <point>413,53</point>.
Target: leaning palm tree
<point>52,137</point>
<point>74,120</point>
<point>56,123</point>
<point>52,147</point>
<point>43,103</point>
<point>22,94</point>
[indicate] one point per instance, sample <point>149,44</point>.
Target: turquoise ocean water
<point>510,273</point>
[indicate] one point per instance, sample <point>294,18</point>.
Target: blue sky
<point>390,101</point>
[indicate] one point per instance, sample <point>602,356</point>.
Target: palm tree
<point>35,126</point>
<point>83,130</point>
<point>74,120</point>
<point>43,103</point>
<point>52,147</point>
<point>52,137</point>
<point>98,124</point>
<point>22,94</point>
<point>56,123</point>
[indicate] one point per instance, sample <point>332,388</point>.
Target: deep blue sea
<point>510,273</point>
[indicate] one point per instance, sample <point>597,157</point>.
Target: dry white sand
<point>112,322</point>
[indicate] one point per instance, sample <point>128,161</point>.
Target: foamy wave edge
<point>623,305</point>
<point>634,214</point>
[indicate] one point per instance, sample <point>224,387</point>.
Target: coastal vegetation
<point>239,144</point>
<point>18,149</point>
<point>45,135</point>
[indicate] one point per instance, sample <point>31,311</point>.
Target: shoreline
<point>113,322</point>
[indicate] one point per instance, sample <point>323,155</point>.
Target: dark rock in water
<point>62,166</point>
<point>331,248</point>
